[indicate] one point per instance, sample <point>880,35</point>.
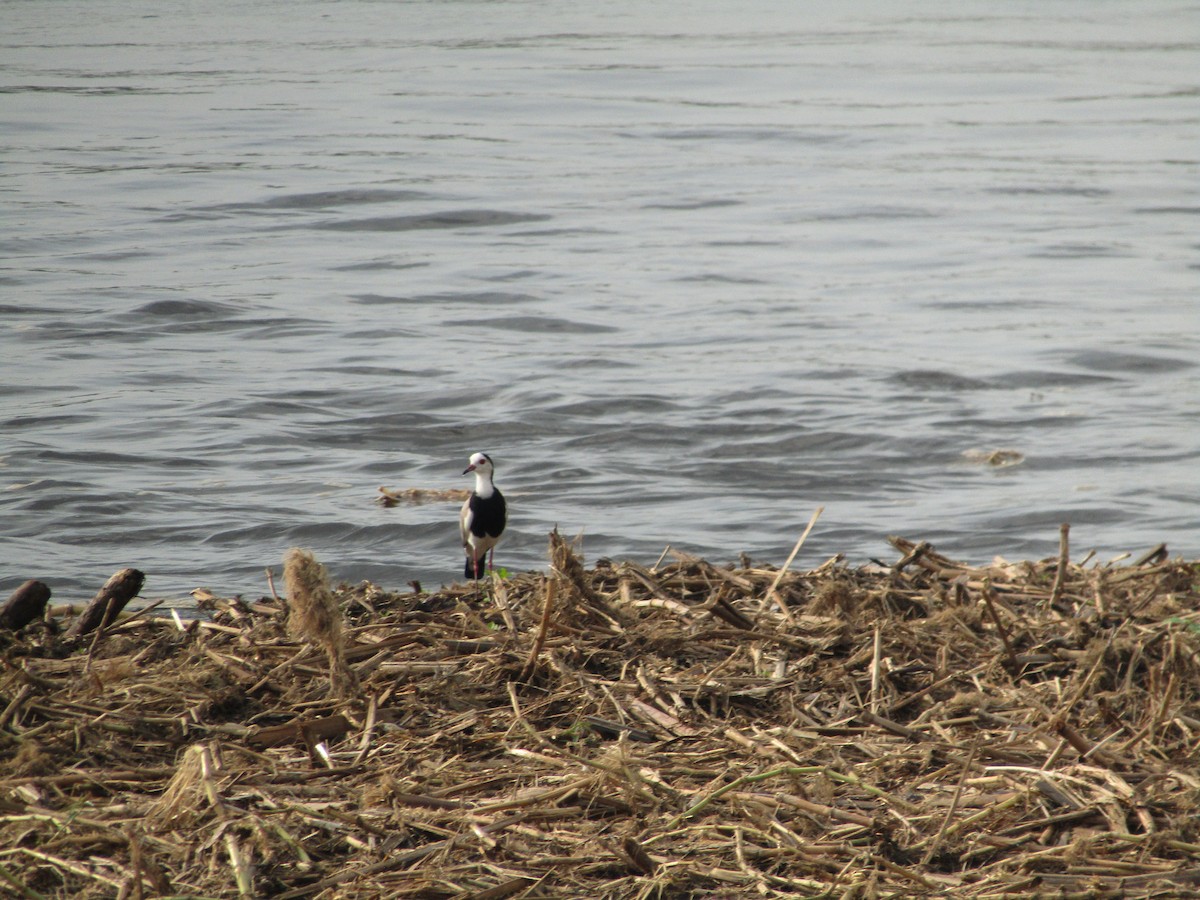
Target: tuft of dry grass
<point>314,616</point>
<point>192,793</point>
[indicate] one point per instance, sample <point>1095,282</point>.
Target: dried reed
<point>314,616</point>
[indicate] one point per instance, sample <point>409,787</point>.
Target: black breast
<point>488,516</point>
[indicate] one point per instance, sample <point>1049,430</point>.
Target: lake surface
<point>686,271</point>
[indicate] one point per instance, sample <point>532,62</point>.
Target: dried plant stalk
<point>314,616</point>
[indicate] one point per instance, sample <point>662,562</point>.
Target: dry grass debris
<point>926,728</point>
<point>315,617</point>
<point>416,496</point>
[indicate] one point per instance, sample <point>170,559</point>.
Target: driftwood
<point>925,728</point>
<point>26,604</point>
<point>311,732</point>
<point>103,609</point>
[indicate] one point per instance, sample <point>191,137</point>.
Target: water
<point>686,275</point>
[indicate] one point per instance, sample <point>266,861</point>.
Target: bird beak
<point>468,469</point>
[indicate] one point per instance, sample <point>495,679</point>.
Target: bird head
<point>480,462</point>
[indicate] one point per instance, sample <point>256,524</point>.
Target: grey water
<point>686,271</point>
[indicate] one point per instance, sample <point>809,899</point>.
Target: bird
<point>483,516</point>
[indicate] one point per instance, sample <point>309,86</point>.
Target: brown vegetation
<point>689,730</point>
<point>417,496</point>
<point>315,618</point>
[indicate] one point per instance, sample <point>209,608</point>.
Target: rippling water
<point>686,275</point>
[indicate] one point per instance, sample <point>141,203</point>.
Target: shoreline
<point>917,728</point>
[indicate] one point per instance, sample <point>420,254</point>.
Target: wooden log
<point>28,602</point>
<point>122,587</point>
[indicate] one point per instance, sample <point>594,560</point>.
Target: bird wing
<point>464,522</point>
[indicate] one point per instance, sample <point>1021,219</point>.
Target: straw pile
<point>689,730</point>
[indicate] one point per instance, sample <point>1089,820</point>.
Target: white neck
<point>483,484</point>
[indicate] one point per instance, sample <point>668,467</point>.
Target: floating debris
<point>997,458</point>
<point>417,496</point>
